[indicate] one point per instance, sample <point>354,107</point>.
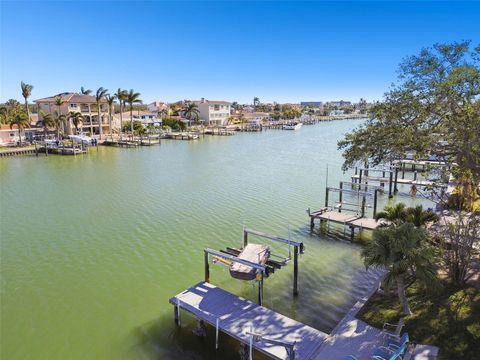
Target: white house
<point>214,112</point>
<point>146,117</point>
<point>157,106</point>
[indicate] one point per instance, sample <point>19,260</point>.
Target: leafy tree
<point>76,118</point>
<point>175,109</point>
<point>85,91</point>
<point>59,120</point>
<point>110,101</point>
<point>3,114</point>
<point>434,109</point>
<point>21,121</point>
<point>138,127</point>
<point>174,124</point>
<point>191,111</point>
<point>122,97</point>
<point>47,122</point>
<point>256,102</point>
<point>403,251</point>
<point>132,97</point>
<point>399,214</point>
<point>99,97</point>
<point>26,92</point>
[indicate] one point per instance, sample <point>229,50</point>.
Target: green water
<point>92,247</point>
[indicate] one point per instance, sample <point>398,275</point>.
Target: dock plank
<point>237,316</point>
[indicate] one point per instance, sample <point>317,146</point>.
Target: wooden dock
<point>274,335</point>
<point>382,180</point>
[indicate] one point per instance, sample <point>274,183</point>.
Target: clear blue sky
<point>278,51</point>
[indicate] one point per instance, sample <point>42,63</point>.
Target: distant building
<point>340,103</point>
<point>84,104</point>
<point>317,104</point>
<point>146,117</point>
<point>157,106</point>
<point>214,112</point>
<point>336,113</point>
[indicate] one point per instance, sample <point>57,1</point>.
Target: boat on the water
<point>292,126</point>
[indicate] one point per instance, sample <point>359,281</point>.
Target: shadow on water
<point>161,339</point>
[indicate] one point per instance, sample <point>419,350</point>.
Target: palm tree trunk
<point>27,109</point>
<point>131,119</point>
<point>99,122</point>
<point>402,296</point>
<point>121,120</point>
<point>19,135</point>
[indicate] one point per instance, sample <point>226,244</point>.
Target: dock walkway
<point>236,316</point>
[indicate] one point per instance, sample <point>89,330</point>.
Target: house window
<point>73,106</point>
<point>216,107</point>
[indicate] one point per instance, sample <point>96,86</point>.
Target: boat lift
<point>230,255</point>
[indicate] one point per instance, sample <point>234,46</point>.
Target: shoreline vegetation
<point>432,259</point>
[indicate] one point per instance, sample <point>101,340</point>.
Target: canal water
<point>92,247</point>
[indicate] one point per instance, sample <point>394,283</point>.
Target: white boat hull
<point>294,126</point>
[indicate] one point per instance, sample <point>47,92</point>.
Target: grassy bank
<point>449,319</point>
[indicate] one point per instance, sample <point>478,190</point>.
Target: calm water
<point>92,247</point>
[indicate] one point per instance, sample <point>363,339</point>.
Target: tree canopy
<point>433,110</point>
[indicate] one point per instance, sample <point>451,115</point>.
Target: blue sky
<point>278,51</point>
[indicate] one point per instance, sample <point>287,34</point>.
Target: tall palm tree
<point>59,102</point>
<point>59,122</point>
<point>22,121</point>
<point>191,111</point>
<point>110,101</point>
<point>26,92</point>
<point>121,96</point>
<point>132,98</point>
<point>403,251</point>
<point>399,214</point>
<point>85,91</point>
<point>100,94</point>
<point>256,101</point>
<point>76,118</point>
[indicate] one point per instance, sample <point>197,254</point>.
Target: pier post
<point>395,188</point>
<point>403,171</point>
<point>390,185</point>
<point>326,197</point>
<point>245,238</point>
<point>340,197</point>
<point>360,176</point>
<point>260,290</point>
<point>36,150</point>
<point>363,205</point>
<point>375,197</point>
<point>415,176</point>
<point>207,267</point>
<point>295,271</point>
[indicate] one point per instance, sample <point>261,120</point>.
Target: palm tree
<point>175,109</point>
<point>47,121</point>
<point>59,102</point>
<point>419,217</point>
<point>85,91</point>
<point>191,111</point>
<point>22,121</point>
<point>396,214</point>
<point>3,114</point>
<point>26,92</point>
<point>256,101</point>
<point>402,251</point>
<point>121,96</point>
<point>101,92</point>
<point>76,118</point>
<point>59,122</point>
<point>132,98</point>
<point>110,101</point>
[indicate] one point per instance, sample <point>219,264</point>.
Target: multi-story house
<point>84,104</point>
<point>214,113</point>
<point>145,117</point>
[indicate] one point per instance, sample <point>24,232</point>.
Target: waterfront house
<point>145,117</point>
<point>213,112</point>
<point>84,104</point>
<point>9,136</point>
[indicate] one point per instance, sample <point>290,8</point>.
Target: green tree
<point>47,122</point>
<point>85,91</point>
<point>191,111</point>
<point>110,101</point>
<point>59,120</point>
<point>403,251</point>
<point>132,97</point>
<point>256,102</point>
<point>21,121</point>
<point>434,109</point>
<point>99,97</point>
<point>59,102</point>
<point>122,97</point>
<point>76,118</point>
<point>26,92</point>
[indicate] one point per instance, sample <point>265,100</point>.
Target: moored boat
<point>292,126</point>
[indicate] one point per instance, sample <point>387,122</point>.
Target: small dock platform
<point>267,331</point>
<point>382,180</point>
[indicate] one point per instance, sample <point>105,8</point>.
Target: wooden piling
<point>295,271</point>
<point>390,185</point>
<point>340,197</point>
<point>207,267</point>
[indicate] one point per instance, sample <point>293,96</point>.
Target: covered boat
<point>254,253</point>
